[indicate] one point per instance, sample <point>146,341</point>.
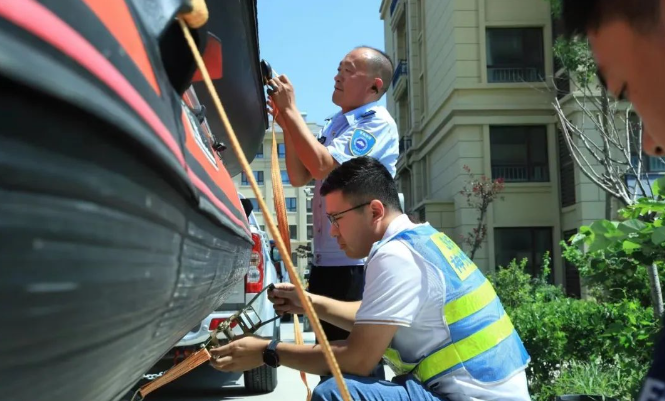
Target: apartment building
<point>473,87</point>
<point>298,201</point>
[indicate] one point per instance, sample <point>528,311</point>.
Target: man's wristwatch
<point>270,356</point>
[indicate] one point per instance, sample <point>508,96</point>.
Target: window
<point>255,205</point>
<point>263,228</point>
<point>520,243</point>
<point>308,203</point>
<point>566,173</point>
<point>310,231</point>
<point>291,204</point>
<point>310,219</point>
<point>258,176</point>
<point>312,183</point>
<point>285,177</point>
<point>515,55</point>
<point>519,153</point>
<point>259,153</point>
<point>294,259</point>
<point>293,232</point>
<point>281,150</point>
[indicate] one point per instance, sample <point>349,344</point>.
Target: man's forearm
<point>339,313</point>
<point>314,156</point>
<point>311,359</point>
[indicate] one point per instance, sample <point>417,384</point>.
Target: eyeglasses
<point>333,217</point>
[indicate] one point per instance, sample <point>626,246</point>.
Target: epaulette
<point>368,113</point>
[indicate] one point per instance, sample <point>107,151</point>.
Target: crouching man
<point>426,308</point>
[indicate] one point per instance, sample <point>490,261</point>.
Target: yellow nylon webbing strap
<point>470,303</point>
<point>191,362</point>
<point>270,223</point>
<point>465,349</point>
<point>283,225</point>
<point>278,194</point>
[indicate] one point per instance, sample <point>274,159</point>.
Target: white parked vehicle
<point>261,273</point>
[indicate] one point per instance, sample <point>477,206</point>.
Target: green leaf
<point>603,227</point>
<point>658,236</point>
<point>630,246</point>
<point>577,239</point>
<point>631,226</point>
<point>599,242</point>
<point>658,187</point>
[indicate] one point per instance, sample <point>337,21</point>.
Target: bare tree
<point>602,134</point>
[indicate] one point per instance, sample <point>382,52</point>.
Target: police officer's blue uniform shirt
<point>366,131</point>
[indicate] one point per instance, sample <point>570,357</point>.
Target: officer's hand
<point>279,117</point>
<point>282,94</point>
<point>285,299</point>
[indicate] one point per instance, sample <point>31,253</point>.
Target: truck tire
<point>261,380</point>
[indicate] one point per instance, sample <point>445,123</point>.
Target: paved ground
<point>207,384</point>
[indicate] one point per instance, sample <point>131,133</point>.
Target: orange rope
<point>283,224</point>
<point>286,256</point>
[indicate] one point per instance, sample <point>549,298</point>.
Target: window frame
<point>541,70</point>
<point>535,269</point>
<point>293,200</point>
<point>530,165</point>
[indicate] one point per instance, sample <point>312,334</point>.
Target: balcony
<point>514,74</point>
<point>521,173</point>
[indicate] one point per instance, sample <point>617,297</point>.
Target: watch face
<point>270,358</point>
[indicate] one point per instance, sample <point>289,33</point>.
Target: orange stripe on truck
<point>117,18</point>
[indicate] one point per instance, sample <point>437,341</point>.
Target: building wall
<point>452,107</point>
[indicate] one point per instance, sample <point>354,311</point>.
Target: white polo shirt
<point>403,289</point>
<point>366,131</point>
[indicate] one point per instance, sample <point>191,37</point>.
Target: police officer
<point>426,308</point>
<point>360,128</point>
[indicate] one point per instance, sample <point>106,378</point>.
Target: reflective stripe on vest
<point>470,303</point>
<point>464,350</point>
<point>482,340</point>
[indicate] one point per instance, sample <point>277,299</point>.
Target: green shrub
<point>515,287</point>
<point>612,275</point>
<point>560,332</point>
<point>565,330</point>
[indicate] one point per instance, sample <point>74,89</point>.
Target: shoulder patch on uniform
<point>368,113</point>
<point>361,142</point>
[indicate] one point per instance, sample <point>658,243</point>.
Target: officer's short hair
<point>380,64</point>
<point>581,16</point>
<point>363,179</point>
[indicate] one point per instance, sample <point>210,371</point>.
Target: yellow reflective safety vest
<point>482,339</point>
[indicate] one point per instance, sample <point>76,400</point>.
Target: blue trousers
<point>372,389</point>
